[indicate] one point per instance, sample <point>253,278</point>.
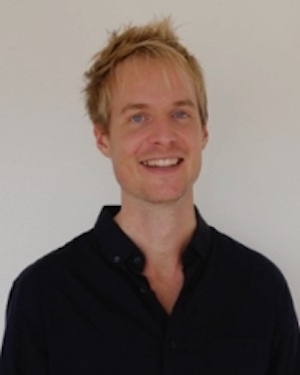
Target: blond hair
<point>155,40</point>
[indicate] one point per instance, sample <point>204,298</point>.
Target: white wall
<point>53,181</point>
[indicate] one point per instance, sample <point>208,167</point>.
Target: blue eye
<point>180,115</point>
<point>138,118</point>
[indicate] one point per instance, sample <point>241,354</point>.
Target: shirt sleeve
<point>24,348</point>
<point>285,356</point>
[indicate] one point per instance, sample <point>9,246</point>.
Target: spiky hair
<point>155,40</point>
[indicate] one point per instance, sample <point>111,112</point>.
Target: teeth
<point>161,162</point>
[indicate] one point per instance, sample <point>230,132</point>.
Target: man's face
<point>155,137</point>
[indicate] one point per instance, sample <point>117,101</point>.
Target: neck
<point>161,231</point>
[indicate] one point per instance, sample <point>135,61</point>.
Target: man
<point>151,289</point>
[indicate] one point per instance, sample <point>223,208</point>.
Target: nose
<point>162,132</point>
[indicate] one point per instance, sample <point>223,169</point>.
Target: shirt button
<point>143,290</point>
<point>138,260</point>
<point>116,259</point>
<point>172,344</point>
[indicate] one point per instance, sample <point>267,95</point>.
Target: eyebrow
<point>131,106</point>
<point>185,103</point>
<point>178,103</point>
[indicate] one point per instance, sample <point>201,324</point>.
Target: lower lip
<point>162,170</point>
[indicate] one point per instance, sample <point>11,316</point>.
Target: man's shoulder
<point>67,258</point>
<point>236,258</point>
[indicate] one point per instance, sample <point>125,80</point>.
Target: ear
<point>205,136</point>
<point>102,140</point>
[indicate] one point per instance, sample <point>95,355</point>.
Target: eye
<point>180,115</point>
<point>138,118</point>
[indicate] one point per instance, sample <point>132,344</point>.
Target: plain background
<point>54,181</point>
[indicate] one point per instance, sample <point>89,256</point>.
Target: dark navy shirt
<point>86,309</point>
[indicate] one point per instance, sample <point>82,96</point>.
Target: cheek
<point>131,144</point>
<point>123,157</point>
<point>196,148</point>
<point>194,140</point>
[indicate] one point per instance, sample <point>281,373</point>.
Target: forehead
<point>145,77</point>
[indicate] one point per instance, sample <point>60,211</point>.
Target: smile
<point>162,163</point>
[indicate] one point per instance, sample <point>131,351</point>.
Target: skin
<point>155,143</point>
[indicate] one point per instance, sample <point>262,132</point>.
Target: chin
<point>165,197</point>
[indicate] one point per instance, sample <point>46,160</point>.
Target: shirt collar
<point>201,239</point>
<point>118,248</point>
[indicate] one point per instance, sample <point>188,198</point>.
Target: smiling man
<point>151,289</point>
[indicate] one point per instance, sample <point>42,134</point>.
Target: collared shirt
<point>86,309</point>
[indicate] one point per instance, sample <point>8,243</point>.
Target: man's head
<point>155,40</point>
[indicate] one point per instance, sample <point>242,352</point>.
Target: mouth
<point>162,163</point>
